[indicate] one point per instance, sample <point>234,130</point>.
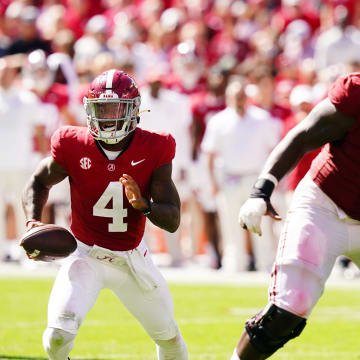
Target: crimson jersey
<point>336,170</point>
<point>100,211</point>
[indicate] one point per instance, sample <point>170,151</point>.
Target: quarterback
<point>322,223</point>
<point>119,175</point>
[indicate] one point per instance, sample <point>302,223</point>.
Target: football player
<point>119,175</point>
<point>323,221</point>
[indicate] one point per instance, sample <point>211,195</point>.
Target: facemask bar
<point>128,118</point>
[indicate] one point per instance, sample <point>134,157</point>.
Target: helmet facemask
<point>111,119</point>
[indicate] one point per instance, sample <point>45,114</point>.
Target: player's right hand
<point>30,224</point>
<point>252,211</point>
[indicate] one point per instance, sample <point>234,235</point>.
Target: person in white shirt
<point>170,112</point>
<point>339,44</point>
<point>23,122</point>
<point>237,141</point>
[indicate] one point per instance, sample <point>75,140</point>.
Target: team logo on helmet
<point>85,163</point>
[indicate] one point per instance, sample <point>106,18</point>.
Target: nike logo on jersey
<point>133,163</point>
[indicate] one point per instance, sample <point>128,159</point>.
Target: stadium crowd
<point>227,78</point>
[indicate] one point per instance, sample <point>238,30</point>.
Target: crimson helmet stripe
<point>109,80</point>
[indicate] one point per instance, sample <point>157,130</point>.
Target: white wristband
<point>270,177</point>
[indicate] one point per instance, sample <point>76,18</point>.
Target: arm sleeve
<point>344,93</point>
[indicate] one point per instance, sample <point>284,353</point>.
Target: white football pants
<point>131,275</point>
<point>315,233</point>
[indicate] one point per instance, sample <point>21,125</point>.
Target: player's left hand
<point>133,193</point>
<point>252,211</point>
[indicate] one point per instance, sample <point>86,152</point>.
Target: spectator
<point>51,21</point>
<point>239,138</point>
<point>339,44</point>
<point>187,70</point>
<point>28,38</point>
<point>92,43</point>
<point>23,119</point>
<point>78,12</point>
<point>161,102</point>
<point>206,104</point>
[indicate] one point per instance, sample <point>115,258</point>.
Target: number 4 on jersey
<point>114,191</point>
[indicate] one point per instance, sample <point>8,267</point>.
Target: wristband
<point>147,211</point>
<point>263,188</point>
<point>270,177</point>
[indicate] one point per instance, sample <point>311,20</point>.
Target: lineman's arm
<point>165,207</point>
<point>324,124</point>
<point>35,194</point>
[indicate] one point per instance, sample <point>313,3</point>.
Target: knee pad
<point>273,328</point>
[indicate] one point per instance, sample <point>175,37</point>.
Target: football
<point>48,242</point>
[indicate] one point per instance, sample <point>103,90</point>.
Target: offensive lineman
<point>323,221</point>
<point>110,158</point>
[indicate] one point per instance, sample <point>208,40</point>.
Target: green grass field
<point>211,319</point>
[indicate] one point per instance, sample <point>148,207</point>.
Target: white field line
<point>188,275</point>
<point>322,314</point>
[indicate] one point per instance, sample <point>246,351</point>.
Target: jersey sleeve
<point>166,150</point>
<point>56,148</point>
<point>344,93</point>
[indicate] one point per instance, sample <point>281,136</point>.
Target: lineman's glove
<point>251,213</point>
<point>257,206</point>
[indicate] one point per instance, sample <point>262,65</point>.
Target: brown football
<point>48,242</point>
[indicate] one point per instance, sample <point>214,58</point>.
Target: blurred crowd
<point>227,78</point>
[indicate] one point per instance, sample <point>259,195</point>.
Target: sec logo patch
<point>85,163</point>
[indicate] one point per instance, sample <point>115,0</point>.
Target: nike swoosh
<point>133,163</point>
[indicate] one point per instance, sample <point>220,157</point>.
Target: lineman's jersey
<point>336,170</point>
